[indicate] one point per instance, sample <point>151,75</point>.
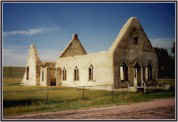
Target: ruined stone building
<point>130,62</point>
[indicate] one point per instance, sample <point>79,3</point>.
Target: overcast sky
<point>50,26</point>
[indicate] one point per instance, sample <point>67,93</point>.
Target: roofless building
<point>130,62</point>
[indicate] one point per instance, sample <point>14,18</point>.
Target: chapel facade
<point>131,62</point>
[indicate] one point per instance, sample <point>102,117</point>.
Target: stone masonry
<point>131,62</point>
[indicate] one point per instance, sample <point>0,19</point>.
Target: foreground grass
<point>22,99</point>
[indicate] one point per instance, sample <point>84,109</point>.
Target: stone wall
<point>51,76</point>
<point>33,62</point>
<point>43,76</point>
<point>102,69</point>
<point>142,58</point>
<point>132,46</point>
<point>73,48</point>
<point>47,74</point>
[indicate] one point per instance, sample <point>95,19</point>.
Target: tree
<point>166,63</point>
<point>173,48</point>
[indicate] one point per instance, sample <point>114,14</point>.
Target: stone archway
<point>137,75</point>
<point>148,72</point>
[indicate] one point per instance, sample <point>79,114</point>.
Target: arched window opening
<point>124,72</point>
<point>42,75</point>
<point>90,71</point>
<point>76,74</point>
<point>59,74</point>
<point>134,29</point>
<point>149,72</point>
<point>64,74</point>
<point>135,40</point>
<point>143,73</point>
<point>137,74</point>
<point>27,71</point>
<point>137,66</point>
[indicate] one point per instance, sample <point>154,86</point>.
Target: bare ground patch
<point>156,109</point>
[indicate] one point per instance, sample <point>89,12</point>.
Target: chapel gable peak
<point>73,48</point>
<point>131,35</point>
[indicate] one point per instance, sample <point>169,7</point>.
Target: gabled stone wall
<point>33,63</point>
<point>74,48</point>
<point>132,46</point>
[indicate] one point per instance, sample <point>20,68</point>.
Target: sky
<point>50,26</point>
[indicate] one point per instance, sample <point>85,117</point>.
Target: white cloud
<point>162,42</point>
<point>12,57</point>
<point>31,31</point>
<point>48,54</point>
<point>17,56</point>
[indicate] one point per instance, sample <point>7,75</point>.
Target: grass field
<point>13,72</point>
<point>19,100</point>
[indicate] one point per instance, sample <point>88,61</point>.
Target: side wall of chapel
<point>102,69</point>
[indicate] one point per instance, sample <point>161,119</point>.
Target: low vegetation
<point>19,99</point>
<point>13,72</point>
<point>22,99</point>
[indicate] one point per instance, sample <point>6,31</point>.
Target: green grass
<point>170,82</point>
<point>26,99</point>
<point>19,100</point>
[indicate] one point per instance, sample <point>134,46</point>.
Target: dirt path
<point>156,109</point>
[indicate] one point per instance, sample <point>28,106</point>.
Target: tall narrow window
<point>135,40</point>
<point>59,74</point>
<point>27,77</point>
<point>146,73</point>
<point>124,72</point>
<point>90,72</point>
<point>121,72</point>
<point>64,74</point>
<point>42,75</point>
<point>149,72</point>
<point>76,74</point>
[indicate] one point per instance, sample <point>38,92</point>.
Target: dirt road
<point>156,109</point>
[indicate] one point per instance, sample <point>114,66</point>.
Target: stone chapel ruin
<point>131,62</point>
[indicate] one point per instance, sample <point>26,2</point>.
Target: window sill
<point>92,80</point>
